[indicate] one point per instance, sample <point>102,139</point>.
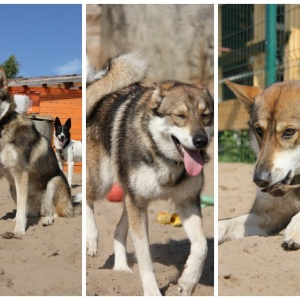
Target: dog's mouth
<point>61,140</point>
<point>192,159</point>
<point>279,189</point>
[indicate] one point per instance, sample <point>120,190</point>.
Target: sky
<point>46,39</point>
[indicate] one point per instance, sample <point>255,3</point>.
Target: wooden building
<point>55,96</point>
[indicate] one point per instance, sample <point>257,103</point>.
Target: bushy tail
<point>66,208</point>
<point>121,71</point>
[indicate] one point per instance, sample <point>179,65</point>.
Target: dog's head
<point>182,122</point>
<point>62,132</point>
<point>275,123</point>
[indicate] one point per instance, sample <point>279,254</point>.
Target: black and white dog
<point>67,150</point>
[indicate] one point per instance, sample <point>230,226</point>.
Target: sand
<point>254,266</point>
<point>169,249</point>
<point>47,260</point>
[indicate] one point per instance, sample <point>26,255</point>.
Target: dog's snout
<point>262,179</point>
<point>200,141</point>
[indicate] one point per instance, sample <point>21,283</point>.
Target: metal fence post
<point>271,46</point>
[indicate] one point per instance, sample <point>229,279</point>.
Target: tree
<point>11,67</point>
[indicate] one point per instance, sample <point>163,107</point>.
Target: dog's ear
<point>68,123</point>
<point>156,96</point>
<point>57,122</point>
<point>246,94</point>
<point>200,86</point>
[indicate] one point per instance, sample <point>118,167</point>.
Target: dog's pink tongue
<point>193,161</point>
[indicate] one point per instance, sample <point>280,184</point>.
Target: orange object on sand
<point>115,194</point>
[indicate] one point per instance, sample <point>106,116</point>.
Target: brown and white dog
<point>153,141</point>
<point>274,118</point>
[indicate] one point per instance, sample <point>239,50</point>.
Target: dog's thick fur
<point>275,122</point>
<point>28,162</point>
<point>67,150</point>
<point>137,135</point>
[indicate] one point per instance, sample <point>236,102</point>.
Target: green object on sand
<point>206,201</point>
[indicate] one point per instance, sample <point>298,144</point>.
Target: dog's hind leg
<point>21,182</point>
<point>192,223</point>
<point>91,229</point>
<point>137,218</point>
<point>120,244</point>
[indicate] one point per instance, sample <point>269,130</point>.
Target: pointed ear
<point>156,96</point>
<point>245,94</point>
<point>57,122</point>
<point>199,85</point>
<point>68,123</point>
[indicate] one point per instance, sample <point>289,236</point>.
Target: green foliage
<point>234,146</point>
<point>11,67</point>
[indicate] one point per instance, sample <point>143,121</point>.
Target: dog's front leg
<point>91,229</point>
<point>291,238</point>
<point>21,182</point>
<point>70,172</point>
<point>137,217</point>
<point>247,225</point>
<point>192,224</point>
<point>60,162</point>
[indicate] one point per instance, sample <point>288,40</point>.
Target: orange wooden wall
<point>56,102</point>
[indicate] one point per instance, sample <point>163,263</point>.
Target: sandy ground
<point>169,249</point>
<point>252,265</point>
<point>47,260</point>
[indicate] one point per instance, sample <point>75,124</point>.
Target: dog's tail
<point>121,71</point>
<point>66,208</point>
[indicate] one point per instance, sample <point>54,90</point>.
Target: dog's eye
<point>259,131</point>
<point>181,116</point>
<point>289,132</point>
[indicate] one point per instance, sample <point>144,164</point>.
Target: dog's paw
<point>19,232</point>
<point>47,221</point>
<point>123,269</point>
<point>92,247</point>
<point>186,288</point>
<point>291,237</point>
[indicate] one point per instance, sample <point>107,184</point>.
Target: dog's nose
<point>200,141</point>
<point>262,179</point>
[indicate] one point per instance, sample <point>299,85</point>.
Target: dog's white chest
<point>151,183</point>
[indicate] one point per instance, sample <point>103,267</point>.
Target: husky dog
<point>28,162</point>
<point>67,150</point>
<point>275,123</point>
<point>153,141</point>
